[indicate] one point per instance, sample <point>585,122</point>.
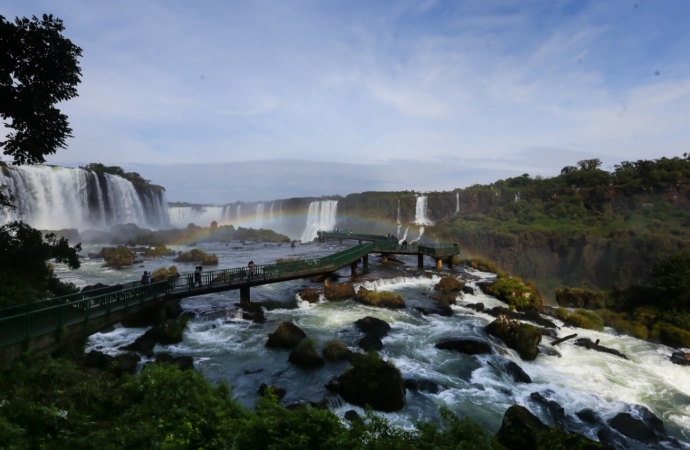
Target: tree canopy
<point>38,69</point>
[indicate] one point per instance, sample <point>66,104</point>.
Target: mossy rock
<point>584,298</point>
<point>583,318</point>
<point>117,257</point>
<point>309,295</point>
<point>167,333</point>
<point>338,291</point>
<point>380,299</point>
<point>374,382</point>
<point>286,335</point>
<point>514,292</point>
<point>306,355</point>
<point>198,256</point>
<point>163,274</point>
<point>671,335</point>
<point>449,284</point>
<point>336,351</point>
<point>162,250</point>
<point>521,337</point>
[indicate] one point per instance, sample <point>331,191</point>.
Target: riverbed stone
<point>306,355</point>
<point>373,325</point>
<point>309,295</point>
<point>449,284</point>
<point>681,358</point>
<point>521,337</point>
<point>370,342</point>
<point>286,335</point>
<point>516,372</point>
<point>372,381</point>
<point>466,346</point>
<point>339,291</point>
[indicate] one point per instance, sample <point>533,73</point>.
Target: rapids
<point>228,348</point>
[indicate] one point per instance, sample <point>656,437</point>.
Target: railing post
<point>420,260</point>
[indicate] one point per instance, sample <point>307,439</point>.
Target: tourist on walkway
<point>404,245</point>
<point>197,276</point>
<point>251,269</point>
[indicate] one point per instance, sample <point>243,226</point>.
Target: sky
<point>221,101</point>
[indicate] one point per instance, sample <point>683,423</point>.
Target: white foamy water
<point>234,350</point>
<point>321,216</point>
<point>420,214</point>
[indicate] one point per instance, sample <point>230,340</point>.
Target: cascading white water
<point>457,202</point>
<point>404,235</point>
<point>60,197</point>
<point>259,208</point>
<point>181,216</point>
<point>270,214</point>
<point>517,197</point>
<point>398,216</point>
<point>321,216</point>
<point>398,233</point>
<point>420,217</point>
<point>239,212</point>
<point>421,232</point>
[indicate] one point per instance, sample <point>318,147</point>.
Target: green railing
<point>346,235</point>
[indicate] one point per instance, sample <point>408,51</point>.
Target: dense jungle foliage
<point>137,180</point>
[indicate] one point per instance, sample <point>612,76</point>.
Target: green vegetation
<point>158,251</point>
<point>585,319</point>
<point>196,255</point>
<point>140,184</point>
<point>26,274</point>
<point>163,273</point>
<point>382,299</point>
<point>479,264</point>
<point>516,293</point>
<point>335,350</point>
<point>117,257</point>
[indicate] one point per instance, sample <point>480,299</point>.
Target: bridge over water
<point>47,325</point>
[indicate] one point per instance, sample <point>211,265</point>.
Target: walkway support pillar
<point>353,268</point>
<point>365,260</point>
<point>420,261</point>
<point>439,264</point>
<point>450,262</point>
<point>360,242</point>
<point>244,294</point>
<point>384,257</point>
<point>327,280</point>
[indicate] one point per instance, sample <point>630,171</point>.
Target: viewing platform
<point>48,324</point>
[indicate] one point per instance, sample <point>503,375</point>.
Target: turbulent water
<point>321,216</point>
<point>233,350</point>
<point>59,197</point>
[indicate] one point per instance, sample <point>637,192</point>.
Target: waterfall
<point>517,197</point>
<point>239,212</point>
<point>181,216</point>
<point>457,202</point>
<point>420,217</point>
<point>270,214</point>
<point>398,233</point>
<point>259,208</point>
<point>421,232</point>
<point>53,198</point>
<point>321,216</point>
<point>404,235</point>
<point>280,211</point>
<point>398,216</point>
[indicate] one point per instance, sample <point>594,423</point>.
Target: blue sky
<point>421,95</point>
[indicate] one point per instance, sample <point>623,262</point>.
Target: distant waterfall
<point>457,202</point>
<point>398,216</point>
<point>517,197</point>
<point>404,235</point>
<point>270,214</point>
<point>321,216</point>
<point>259,208</point>
<point>421,232</point>
<point>239,212</point>
<point>398,233</point>
<point>181,216</point>
<point>420,217</point>
<point>280,211</point>
<point>53,198</point>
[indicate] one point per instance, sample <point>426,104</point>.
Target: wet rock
<point>370,342</point>
<point>156,314</point>
<point>305,355</point>
<point>681,358</point>
<point>351,415</point>
<point>167,333</point>
<point>339,291</point>
<point>372,381</point>
<point>588,415</point>
<point>520,429</point>
<point>466,346</point>
<point>534,316</point>
<point>516,372</point>
<point>335,351</point>
<point>446,297</point>
<point>634,428</point>
<point>286,335</point>
<point>252,372</point>
<point>549,351</point>
<point>253,312</point>
<point>309,295</point>
<point>107,330</point>
<point>588,344</point>
<point>381,299</point>
<point>277,391</point>
<point>479,307</point>
<point>521,337</point>
<point>372,325</point>
<point>467,290</point>
<point>429,386</point>
<point>126,363</point>
<point>498,311</point>
<point>98,360</point>
<point>449,284</point>
<point>142,346</point>
<point>550,332</point>
<point>555,410</point>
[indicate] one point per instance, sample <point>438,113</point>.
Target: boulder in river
<point>516,372</point>
<point>466,346</point>
<point>589,344</point>
<point>381,299</point>
<point>306,355</point>
<point>373,325</point>
<point>335,351</point>
<point>449,284</point>
<point>423,385</point>
<point>339,291</point>
<point>372,381</point>
<point>681,358</point>
<point>309,295</point>
<point>370,342</point>
<point>182,362</point>
<point>286,335</point>
<point>521,337</point>
<point>479,307</point>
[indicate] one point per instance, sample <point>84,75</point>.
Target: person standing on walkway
<point>197,276</point>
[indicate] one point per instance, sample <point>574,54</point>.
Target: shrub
<point>561,313</point>
<point>583,318</point>
<point>196,255</point>
<point>670,335</point>
<point>631,328</point>
<point>163,273</point>
<point>335,351</point>
<point>161,250</point>
<point>516,292</point>
<point>118,257</point>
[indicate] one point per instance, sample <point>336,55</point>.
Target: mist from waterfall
<point>270,214</point>
<point>321,216</point>
<point>181,216</point>
<point>239,212</point>
<point>259,209</point>
<point>52,198</point>
<point>420,217</point>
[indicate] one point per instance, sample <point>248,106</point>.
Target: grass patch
<point>336,351</point>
